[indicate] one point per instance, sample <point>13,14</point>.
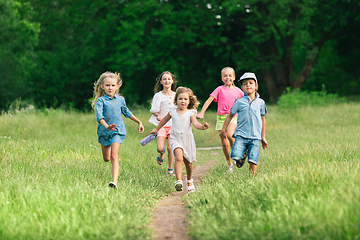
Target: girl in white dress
<point>162,101</point>
<point>181,137</point>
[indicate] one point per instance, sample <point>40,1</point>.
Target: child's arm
<point>157,115</point>
<point>141,127</point>
<point>205,106</point>
<point>263,140</point>
<point>107,126</point>
<point>197,125</point>
<point>222,133</point>
<point>161,124</point>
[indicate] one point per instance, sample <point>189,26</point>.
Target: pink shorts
<point>164,132</point>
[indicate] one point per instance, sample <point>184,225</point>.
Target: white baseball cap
<point>248,75</point>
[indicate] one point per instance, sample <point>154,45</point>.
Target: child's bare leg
<point>252,169</point>
<point>106,152</point>
<point>115,161</point>
<point>170,156</point>
<point>189,170</point>
<point>160,146</point>
<point>225,147</point>
<point>178,152</point>
<point>230,132</point>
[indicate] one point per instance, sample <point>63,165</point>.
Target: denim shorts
<point>243,145</point>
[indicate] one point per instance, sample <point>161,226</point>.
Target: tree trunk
<point>307,68</point>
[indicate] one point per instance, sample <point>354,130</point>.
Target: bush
<point>296,98</point>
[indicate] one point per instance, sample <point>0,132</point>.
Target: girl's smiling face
<point>166,80</point>
<point>228,77</point>
<point>110,86</point>
<point>183,101</point>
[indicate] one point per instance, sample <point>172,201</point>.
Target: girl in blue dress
<point>111,128</point>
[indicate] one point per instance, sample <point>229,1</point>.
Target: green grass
<point>306,187</point>
<point>53,181</point>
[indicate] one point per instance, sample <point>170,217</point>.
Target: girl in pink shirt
<point>225,95</point>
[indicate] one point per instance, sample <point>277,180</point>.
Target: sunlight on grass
<point>307,184</point>
<point>53,180</point>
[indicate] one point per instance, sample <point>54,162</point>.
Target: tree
<point>283,38</point>
<point>18,37</point>
<point>278,40</point>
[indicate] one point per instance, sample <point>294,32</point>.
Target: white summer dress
<point>181,135</point>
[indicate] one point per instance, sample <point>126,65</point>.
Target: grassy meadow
<point>53,181</point>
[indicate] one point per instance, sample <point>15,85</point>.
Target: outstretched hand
<point>141,128</point>
<point>200,116</point>
<point>111,127</point>
<point>264,143</point>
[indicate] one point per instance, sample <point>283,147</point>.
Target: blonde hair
<point>222,71</point>
<point>158,87</point>
<point>193,102</point>
<point>98,91</point>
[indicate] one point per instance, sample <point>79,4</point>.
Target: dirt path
<point>169,215</point>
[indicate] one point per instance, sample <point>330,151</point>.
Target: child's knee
<point>113,157</point>
<point>106,159</point>
<point>160,149</point>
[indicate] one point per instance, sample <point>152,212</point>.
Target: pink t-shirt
<point>225,97</point>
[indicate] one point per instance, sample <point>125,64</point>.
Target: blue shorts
<point>111,138</point>
<point>243,145</point>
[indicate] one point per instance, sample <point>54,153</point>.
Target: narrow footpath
<point>169,214</point>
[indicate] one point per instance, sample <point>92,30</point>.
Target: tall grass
<point>306,187</point>
<point>53,181</point>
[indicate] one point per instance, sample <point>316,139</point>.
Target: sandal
<point>171,172</point>
<point>159,160</point>
<point>192,187</point>
<point>179,185</point>
<point>112,185</point>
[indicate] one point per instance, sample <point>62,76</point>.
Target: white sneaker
<point>230,169</point>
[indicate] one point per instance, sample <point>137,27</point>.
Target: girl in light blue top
<point>111,128</point>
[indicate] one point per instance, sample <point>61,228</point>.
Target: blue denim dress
<point>110,109</point>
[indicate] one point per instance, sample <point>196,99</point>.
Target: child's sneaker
<point>239,163</point>
<point>112,185</point>
<point>179,185</point>
<point>230,169</point>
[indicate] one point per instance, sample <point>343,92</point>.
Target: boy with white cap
<point>250,129</point>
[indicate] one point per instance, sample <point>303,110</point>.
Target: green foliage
<point>194,40</point>
<point>291,99</point>
<point>18,38</point>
